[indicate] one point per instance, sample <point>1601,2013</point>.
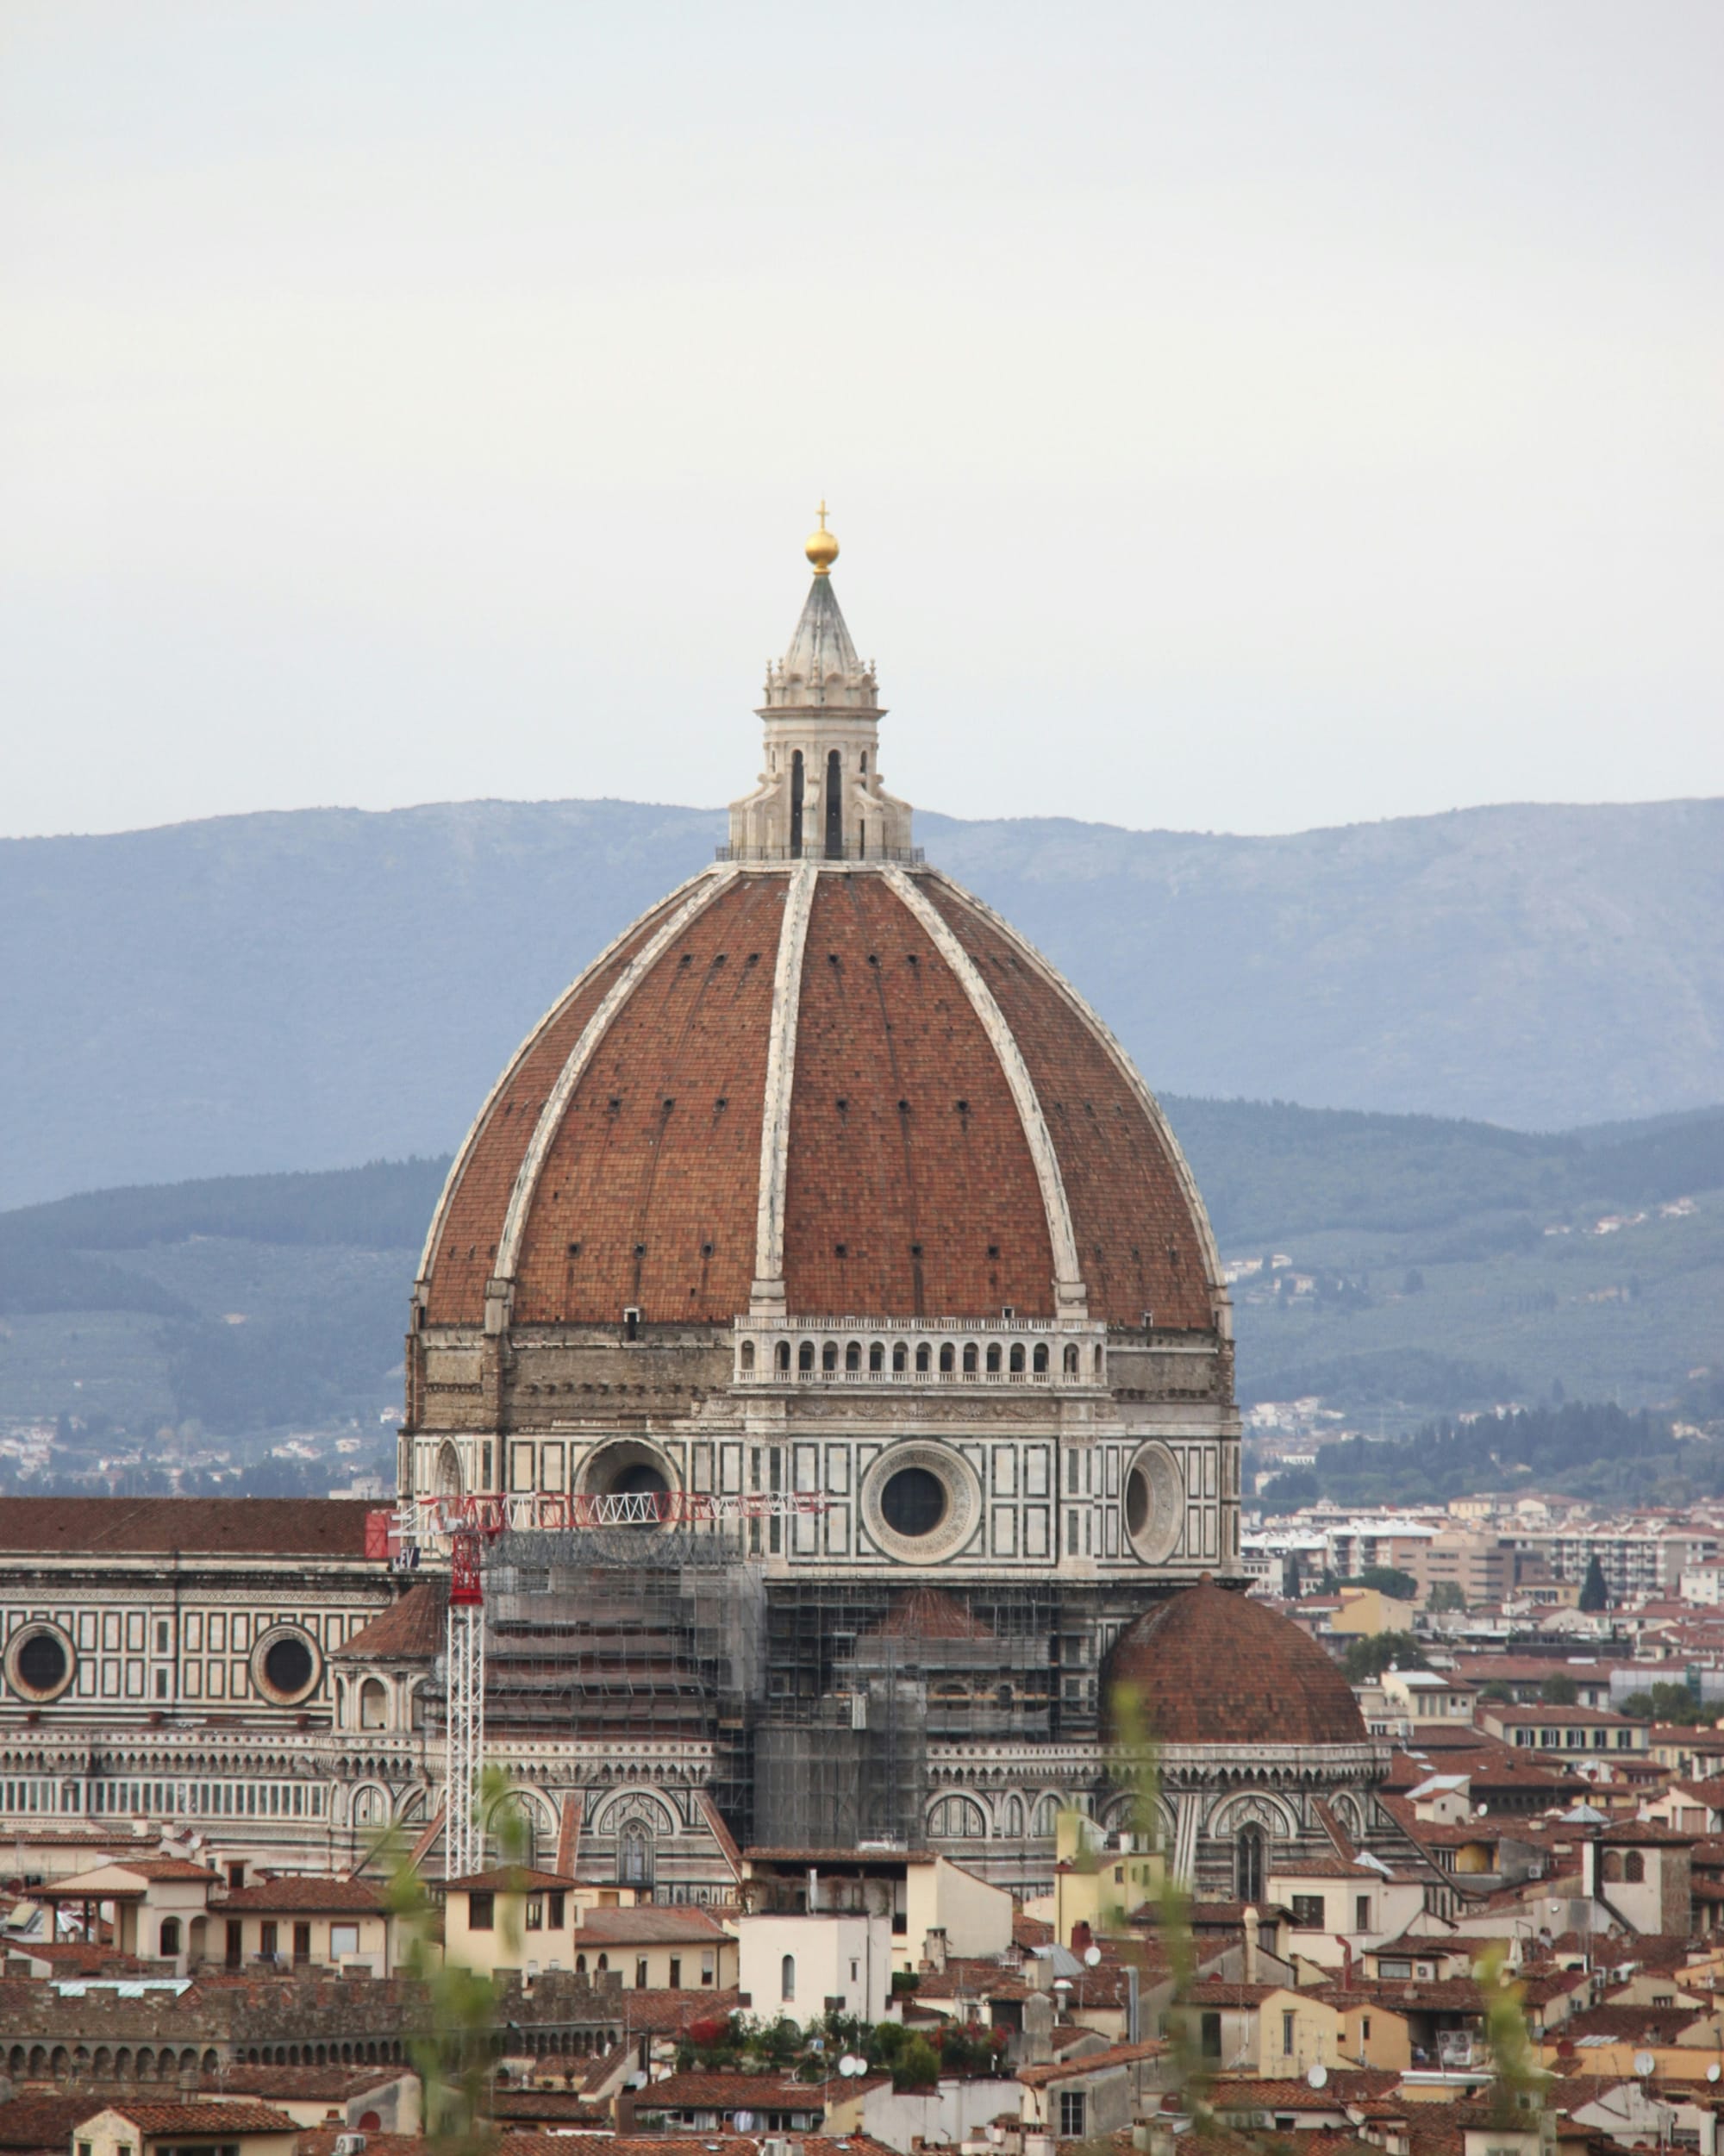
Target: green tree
<point>919,2065</point>
<point>1366,1659</point>
<point>1446,1595</point>
<point>1559,1690</point>
<point>455,2050</point>
<point>1388,1579</point>
<point>1594,1594</point>
<point>1667,1701</point>
<point>1496,1690</point>
<point>1517,2078</point>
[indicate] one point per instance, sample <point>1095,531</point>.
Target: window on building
<point>267,1939</point>
<point>787,1978</point>
<point>1633,1867</point>
<point>709,1966</point>
<point>170,1937</point>
<point>1209,2036</point>
<point>481,1911</point>
<point>535,1912</point>
<point>1307,1912</point>
<point>640,1973</point>
<point>301,1945</point>
<point>1073,2113</point>
<point>1288,2027</point>
<point>1248,1865</point>
<point>635,1854</point>
<point>344,1939</point>
<point>675,1972</point>
<point>554,1914</point>
<point>1361,1912</point>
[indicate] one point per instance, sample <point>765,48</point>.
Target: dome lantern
<point>819,796</point>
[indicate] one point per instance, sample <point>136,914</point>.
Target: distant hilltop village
<point>812,1672</point>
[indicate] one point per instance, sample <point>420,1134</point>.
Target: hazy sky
<point>1234,417</point>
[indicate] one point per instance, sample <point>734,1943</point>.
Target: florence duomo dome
<point>819,1179</point>
<point>820,1144</point>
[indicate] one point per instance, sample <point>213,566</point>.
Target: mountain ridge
<point>309,988</point>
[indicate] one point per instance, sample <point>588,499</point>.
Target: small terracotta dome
<point>1210,1666</point>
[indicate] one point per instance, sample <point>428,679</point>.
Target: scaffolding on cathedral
<point>829,1710</point>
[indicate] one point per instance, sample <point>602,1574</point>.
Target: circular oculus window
<point>628,1468</point>
<point>40,1662</point>
<point>920,1501</point>
<point>1155,1503</point>
<point>286,1665</point>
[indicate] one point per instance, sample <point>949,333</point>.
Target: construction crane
<point>468,1524</point>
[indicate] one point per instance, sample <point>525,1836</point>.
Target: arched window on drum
<point>954,1818</point>
<point>634,1855</point>
<point>1249,1866</point>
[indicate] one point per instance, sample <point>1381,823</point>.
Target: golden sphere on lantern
<point>821,547</point>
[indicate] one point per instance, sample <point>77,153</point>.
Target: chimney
<point>933,1950</point>
<point>1252,1921</point>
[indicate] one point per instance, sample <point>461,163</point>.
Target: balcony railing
<point>898,856</point>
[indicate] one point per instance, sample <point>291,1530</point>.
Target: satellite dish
<point>850,2066</point>
<point>1091,1956</point>
<point>1711,2072</point>
<point>1316,2077</point>
<point>1645,2063</point>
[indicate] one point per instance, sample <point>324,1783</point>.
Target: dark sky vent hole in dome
<point>287,1664</point>
<point>41,1663</point>
<point>914,1502</point>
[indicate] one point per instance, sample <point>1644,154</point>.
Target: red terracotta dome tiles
<point>465,1245</point>
<point>1210,1666</point>
<point>648,1192</point>
<point>1138,1246</point>
<point>927,1210</point>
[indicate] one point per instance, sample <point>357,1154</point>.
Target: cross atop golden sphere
<point>821,547</point>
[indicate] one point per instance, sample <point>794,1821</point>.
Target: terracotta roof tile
<point>1210,1666</point>
<point>301,1890</point>
<point>648,1925</point>
<point>411,1629</point>
<point>207,2121</point>
<point>126,1527</point>
<point>911,1190</point>
<point>1138,1243</point>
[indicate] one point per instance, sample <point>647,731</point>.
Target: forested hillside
<point>1394,1268</point>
